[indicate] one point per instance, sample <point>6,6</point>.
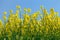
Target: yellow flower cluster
<point>30,27</point>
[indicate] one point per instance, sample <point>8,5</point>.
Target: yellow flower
<point>52,12</point>
<point>35,15</point>
<point>41,7</point>
<point>18,6</point>
<point>4,17</point>
<point>29,10</point>
<point>25,9</point>
<point>18,20</point>
<point>56,13</point>
<point>45,11</point>
<point>5,13</point>
<point>11,11</point>
<point>17,13</point>
<point>26,21</point>
<point>26,16</point>
<point>0,22</point>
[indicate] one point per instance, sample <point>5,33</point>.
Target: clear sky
<point>6,5</point>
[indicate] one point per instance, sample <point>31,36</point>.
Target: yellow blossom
<point>0,22</point>
<point>45,11</point>
<point>29,10</point>
<point>52,12</point>
<point>11,11</point>
<point>5,13</point>
<point>4,17</point>
<point>18,6</point>
<point>35,15</point>
<point>25,9</point>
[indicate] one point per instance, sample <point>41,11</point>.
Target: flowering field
<point>37,26</point>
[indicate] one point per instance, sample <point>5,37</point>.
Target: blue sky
<point>6,5</point>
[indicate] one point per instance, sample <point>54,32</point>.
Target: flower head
<point>25,9</point>
<point>11,11</point>
<point>29,10</point>
<point>5,13</point>
<point>18,6</point>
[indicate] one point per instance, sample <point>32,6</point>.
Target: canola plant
<point>29,27</point>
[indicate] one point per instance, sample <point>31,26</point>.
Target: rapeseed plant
<point>29,27</point>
